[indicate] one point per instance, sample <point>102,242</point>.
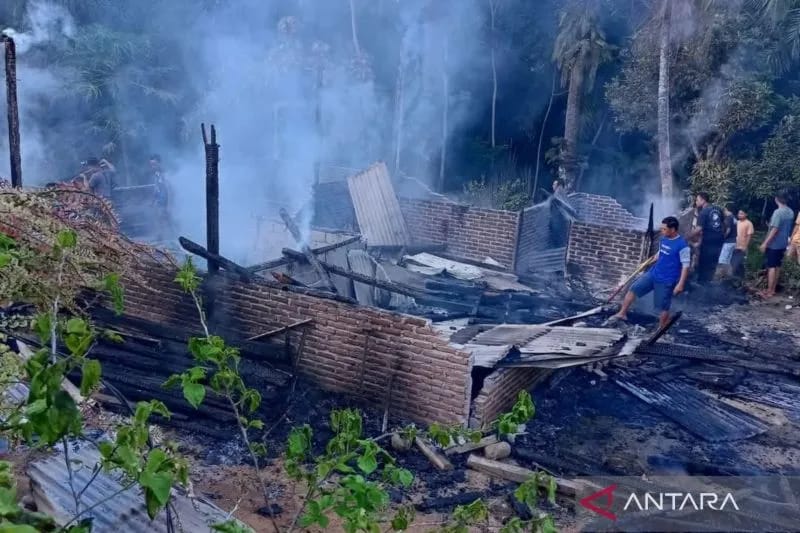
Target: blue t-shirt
<point>673,255</point>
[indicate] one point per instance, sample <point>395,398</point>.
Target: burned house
<point>408,299</point>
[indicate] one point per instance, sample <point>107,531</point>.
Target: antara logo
<point>602,501</point>
<point>678,501</point>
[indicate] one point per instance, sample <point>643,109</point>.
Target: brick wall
<point>605,211</point>
<point>499,393</point>
<point>433,382</point>
<point>604,256</point>
<point>469,232</point>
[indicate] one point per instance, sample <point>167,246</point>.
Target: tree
<point>580,48</point>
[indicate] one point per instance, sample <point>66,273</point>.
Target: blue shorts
<point>662,292</point>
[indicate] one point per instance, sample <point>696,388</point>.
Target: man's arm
<point>686,260</point>
<point>748,235</point>
<point>773,231</point>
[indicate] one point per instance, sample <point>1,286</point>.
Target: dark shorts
<point>774,258</point>
<point>662,292</point>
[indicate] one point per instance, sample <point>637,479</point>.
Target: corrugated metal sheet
<point>126,512</point>
<point>377,210</point>
<point>487,356</point>
<point>548,262</point>
<point>454,268</point>
<point>518,334</point>
<point>698,413</point>
<point>361,263</point>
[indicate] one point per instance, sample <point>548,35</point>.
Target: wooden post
<point>212,196</point>
<point>13,112</point>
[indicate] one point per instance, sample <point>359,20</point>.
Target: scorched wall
<point>432,383</point>
<point>469,232</point>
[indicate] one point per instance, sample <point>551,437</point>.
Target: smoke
<point>281,81</point>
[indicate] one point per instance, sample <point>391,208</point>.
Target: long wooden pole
<point>212,196</point>
<point>13,112</point>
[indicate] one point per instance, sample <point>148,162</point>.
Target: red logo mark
<point>608,494</point>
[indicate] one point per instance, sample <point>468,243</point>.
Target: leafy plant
<point>508,424</point>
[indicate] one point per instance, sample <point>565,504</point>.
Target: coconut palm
<point>580,48</point>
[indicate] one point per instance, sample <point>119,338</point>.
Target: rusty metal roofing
<point>125,512</point>
<point>377,209</point>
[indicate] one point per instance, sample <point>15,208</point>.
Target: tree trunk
<point>399,112</point>
<point>532,189</point>
<point>445,105</point>
<point>494,74</point>
<point>664,153</point>
<point>15,153</point>
<point>353,28</point>
<point>569,155</point>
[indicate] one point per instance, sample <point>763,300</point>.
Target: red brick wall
<point>499,393</point>
<point>433,381</point>
<point>469,232</point>
<point>604,256</point>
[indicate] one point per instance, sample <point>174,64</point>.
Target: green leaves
<point>194,393</point>
<point>187,277</point>
<point>521,413</point>
<point>114,289</point>
<point>231,526</point>
<point>66,239</point>
<point>90,376</point>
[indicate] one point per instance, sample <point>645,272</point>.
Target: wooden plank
<point>518,474</point>
<point>323,274</point>
<point>438,460</point>
<point>569,319</point>
<point>276,331</point>
<point>215,258</point>
<point>471,446</point>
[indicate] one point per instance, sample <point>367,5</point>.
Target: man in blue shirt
<point>667,277</point>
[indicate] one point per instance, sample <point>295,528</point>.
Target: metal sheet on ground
<point>698,413</point>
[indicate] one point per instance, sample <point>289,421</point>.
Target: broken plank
<point>471,446</point>
<point>567,320</point>
<point>276,331</point>
<point>518,474</point>
<point>333,269</point>
<point>323,274</point>
<point>438,460</point>
<point>194,248</point>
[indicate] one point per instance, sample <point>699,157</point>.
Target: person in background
<point>729,244</point>
<point>100,179</point>
<point>744,233</point>
<point>161,196</point>
<point>666,278</point>
<point>794,241</point>
<point>774,246</point>
<point>558,186</point>
<point>711,235</point>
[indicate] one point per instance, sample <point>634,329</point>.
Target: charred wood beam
<point>12,111</point>
<point>212,195</point>
<point>212,257</point>
<point>323,274</point>
<point>333,269</point>
<point>316,251</point>
<point>662,330</point>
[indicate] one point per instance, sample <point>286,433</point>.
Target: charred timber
<point>310,257</point>
<point>212,195</point>
<point>227,264</point>
<point>316,251</point>
<point>12,111</point>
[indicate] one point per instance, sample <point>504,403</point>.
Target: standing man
<point>710,232</point>
<point>161,197</point>
<point>729,244</point>
<point>774,246</point>
<point>744,232</point>
<point>668,275</point>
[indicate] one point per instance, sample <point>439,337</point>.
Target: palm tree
<point>580,48</point>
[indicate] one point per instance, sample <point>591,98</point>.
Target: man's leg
<point>630,297</point>
<point>662,300</point>
<point>640,287</point>
<point>774,260</point>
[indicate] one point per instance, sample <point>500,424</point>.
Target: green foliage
<point>466,516</point>
<point>715,178</point>
<point>505,195</point>
<point>521,413</point>
<point>449,436</point>
<point>351,460</point>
